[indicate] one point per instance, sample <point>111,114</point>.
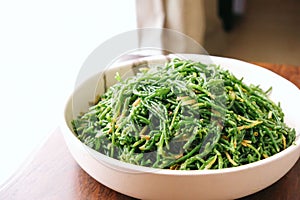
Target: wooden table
<point>53,174</point>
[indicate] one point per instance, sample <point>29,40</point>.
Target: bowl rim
<point>128,167</point>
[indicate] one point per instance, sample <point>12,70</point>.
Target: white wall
<point>42,47</point>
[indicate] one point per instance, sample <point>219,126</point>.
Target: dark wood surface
<point>53,174</point>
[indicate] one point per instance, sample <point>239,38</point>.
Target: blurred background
<point>260,31</point>
<point>43,45</point>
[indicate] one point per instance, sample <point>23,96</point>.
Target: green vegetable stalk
<point>185,115</point>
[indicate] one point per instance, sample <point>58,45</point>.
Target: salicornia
<point>185,115</point>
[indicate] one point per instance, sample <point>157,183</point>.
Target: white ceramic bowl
<point>146,183</point>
